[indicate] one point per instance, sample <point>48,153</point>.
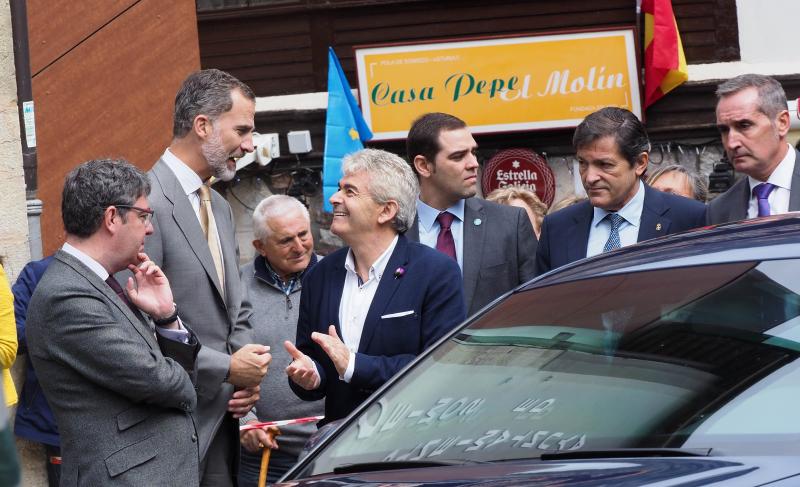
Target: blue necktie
<point>761,192</point>
<point>613,242</point>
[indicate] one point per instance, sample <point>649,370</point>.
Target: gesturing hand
<point>301,370</point>
<point>249,365</point>
<point>335,348</point>
<point>149,289</point>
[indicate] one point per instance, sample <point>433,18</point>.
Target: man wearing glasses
<point>117,366</point>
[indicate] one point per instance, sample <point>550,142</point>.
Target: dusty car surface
<point>669,363</point>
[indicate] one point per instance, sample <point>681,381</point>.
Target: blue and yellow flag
<point>345,128</point>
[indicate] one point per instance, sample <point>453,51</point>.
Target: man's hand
<point>334,347</point>
<point>256,439</point>
<point>249,365</point>
<point>149,289</point>
<point>242,401</point>
<point>301,370</point>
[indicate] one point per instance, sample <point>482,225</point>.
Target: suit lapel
<point>794,191</point>
<point>336,284</point>
<point>577,240</point>
<point>138,322</point>
<point>413,233</point>
<point>740,196</point>
<point>187,221</point>
<point>472,240</point>
<point>386,289</point>
<point>653,223</point>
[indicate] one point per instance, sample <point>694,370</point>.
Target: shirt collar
<point>378,267</point>
<point>427,214</point>
<point>631,212</point>
<point>264,271</point>
<point>782,175</point>
<point>89,262</point>
<point>190,181</point>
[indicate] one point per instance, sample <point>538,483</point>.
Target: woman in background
<point>522,198</point>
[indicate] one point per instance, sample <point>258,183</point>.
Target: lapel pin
<point>477,222</point>
<point>398,273</point>
<point>658,227</point>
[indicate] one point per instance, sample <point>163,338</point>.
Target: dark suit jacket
<point>121,397</point>
<point>565,233</point>
<point>220,317</point>
<point>732,205</point>
<point>430,287</point>
<point>499,252</point>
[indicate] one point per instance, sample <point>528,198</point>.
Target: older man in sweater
<point>284,243</point>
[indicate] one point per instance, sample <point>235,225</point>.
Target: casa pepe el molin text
<point>459,86</point>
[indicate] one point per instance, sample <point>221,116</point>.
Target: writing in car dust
<point>403,415</point>
<point>388,418</point>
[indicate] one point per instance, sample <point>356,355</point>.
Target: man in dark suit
<point>494,245</point>
<point>194,241</point>
<point>387,298</point>
<point>121,388</point>
<point>753,120</point>
<point>613,152</point>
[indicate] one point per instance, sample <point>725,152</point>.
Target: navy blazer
<point>430,287</point>
<point>565,233</point>
<point>34,420</point>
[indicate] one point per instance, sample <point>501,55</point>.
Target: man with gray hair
<point>194,242</point>
<point>368,309</point>
<point>285,247</point>
<point>753,120</point>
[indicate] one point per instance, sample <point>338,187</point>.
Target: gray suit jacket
<point>220,317</point>
<point>123,408</point>
<point>732,205</point>
<point>499,250</point>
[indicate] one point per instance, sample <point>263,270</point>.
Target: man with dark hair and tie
<point>194,242</point>
<point>613,152</point>
<point>494,244</point>
<point>753,120</point>
<point>117,366</point>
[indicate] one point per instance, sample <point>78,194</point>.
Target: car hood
<point>661,472</point>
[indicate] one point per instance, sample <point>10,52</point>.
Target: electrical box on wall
<point>299,141</point>
<point>267,149</point>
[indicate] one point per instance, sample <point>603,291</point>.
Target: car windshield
<point>697,357</point>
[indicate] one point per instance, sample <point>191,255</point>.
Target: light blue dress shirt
<point>600,228</point>
<point>429,227</point>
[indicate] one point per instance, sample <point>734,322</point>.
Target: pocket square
<point>398,315</point>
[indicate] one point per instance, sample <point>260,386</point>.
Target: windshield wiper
<point>373,466</point>
<point>626,453</point>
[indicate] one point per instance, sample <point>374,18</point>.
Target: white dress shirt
<point>600,228</point>
<point>429,227</point>
<point>181,334</point>
<point>356,300</point>
<point>190,183</point>
<point>778,198</point>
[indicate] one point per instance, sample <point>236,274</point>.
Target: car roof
<point>768,238</point>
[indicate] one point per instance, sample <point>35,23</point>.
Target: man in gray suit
<point>121,389</point>
<point>753,120</point>
<point>493,244</point>
<point>194,241</point>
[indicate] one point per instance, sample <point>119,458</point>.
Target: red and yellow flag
<point>664,62</point>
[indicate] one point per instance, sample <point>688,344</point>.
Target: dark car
<point>669,363</point>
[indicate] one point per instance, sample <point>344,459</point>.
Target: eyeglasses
<point>145,214</point>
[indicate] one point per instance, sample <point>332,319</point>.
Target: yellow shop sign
<point>499,85</point>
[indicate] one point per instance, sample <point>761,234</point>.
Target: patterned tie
<point>210,230</point>
<point>613,242</point>
<point>761,192</point>
<point>113,284</point>
<point>445,242</point>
